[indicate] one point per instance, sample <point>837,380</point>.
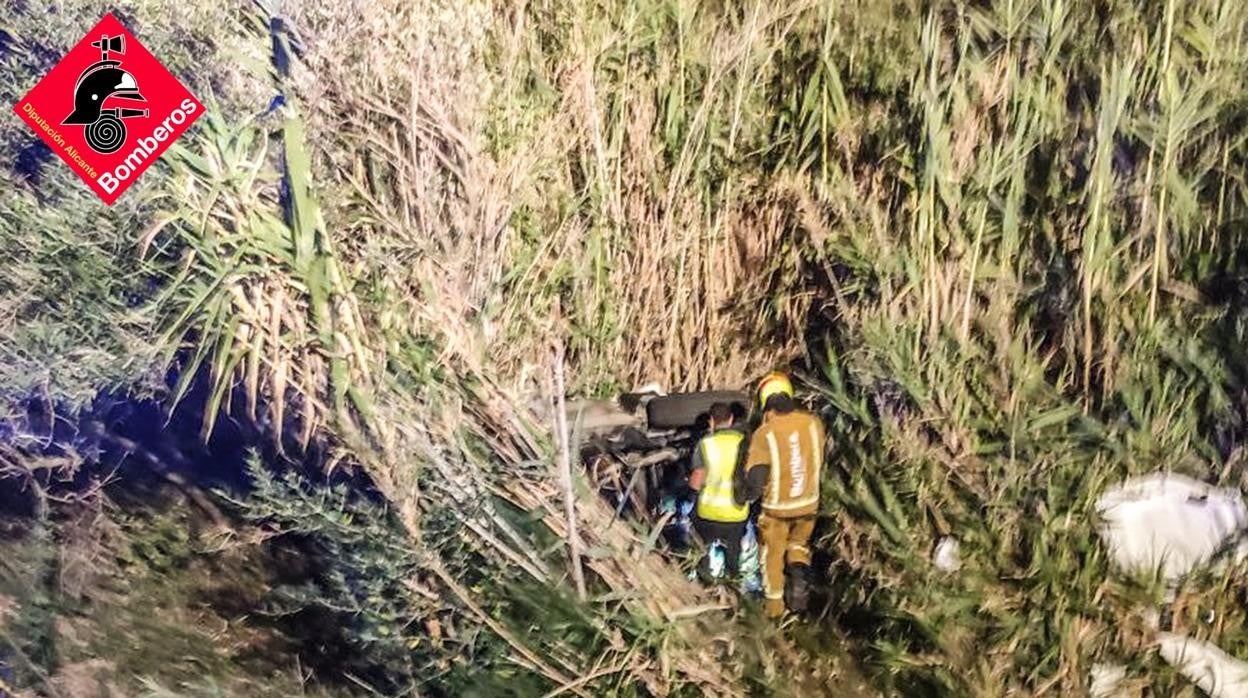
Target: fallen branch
<point>694,611</point>
<point>661,456</point>
<point>591,676</point>
<point>565,475</point>
<point>527,654</point>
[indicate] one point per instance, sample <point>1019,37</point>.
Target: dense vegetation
<point>1002,241</point>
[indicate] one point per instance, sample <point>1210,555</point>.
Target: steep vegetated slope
<point>1003,238</point>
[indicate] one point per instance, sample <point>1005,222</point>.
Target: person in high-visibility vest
<point>716,477</point>
<point>782,467</point>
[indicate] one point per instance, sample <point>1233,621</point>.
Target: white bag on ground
<point>1171,522</point>
<point>1104,680</point>
<point>1214,671</point>
<point>948,555</point>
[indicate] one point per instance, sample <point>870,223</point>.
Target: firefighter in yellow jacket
<point>783,467</point>
<point>719,514</point>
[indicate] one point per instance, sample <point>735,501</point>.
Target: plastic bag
<point>1214,671</point>
<point>1169,522</point>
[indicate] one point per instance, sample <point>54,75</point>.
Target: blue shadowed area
<point>276,103</point>
<point>126,20</point>
<point>6,676</point>
<point>139,442</point>
<point>281,58</point>
<point>30,161</point>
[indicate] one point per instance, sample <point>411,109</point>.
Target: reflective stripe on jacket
<point>720,452</point>
<point>792,447</point>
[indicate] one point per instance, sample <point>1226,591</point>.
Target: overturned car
<point>637,451</point>
<point>637,447</point>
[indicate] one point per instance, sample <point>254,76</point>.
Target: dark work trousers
<point>727,533</point>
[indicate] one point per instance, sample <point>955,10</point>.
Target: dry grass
<point>995,221</point>
<point>422,219</point>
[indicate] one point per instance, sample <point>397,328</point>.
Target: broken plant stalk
<point>565,473</point>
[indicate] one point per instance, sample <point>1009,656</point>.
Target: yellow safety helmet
<point>774,383</point>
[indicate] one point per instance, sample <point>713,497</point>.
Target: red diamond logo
<point>109,109</point>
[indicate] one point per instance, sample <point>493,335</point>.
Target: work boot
<point>797,592</point>
<point>707,575</point>
<point>712,568</point>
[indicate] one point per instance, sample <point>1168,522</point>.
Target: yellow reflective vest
<point>719,457</point>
